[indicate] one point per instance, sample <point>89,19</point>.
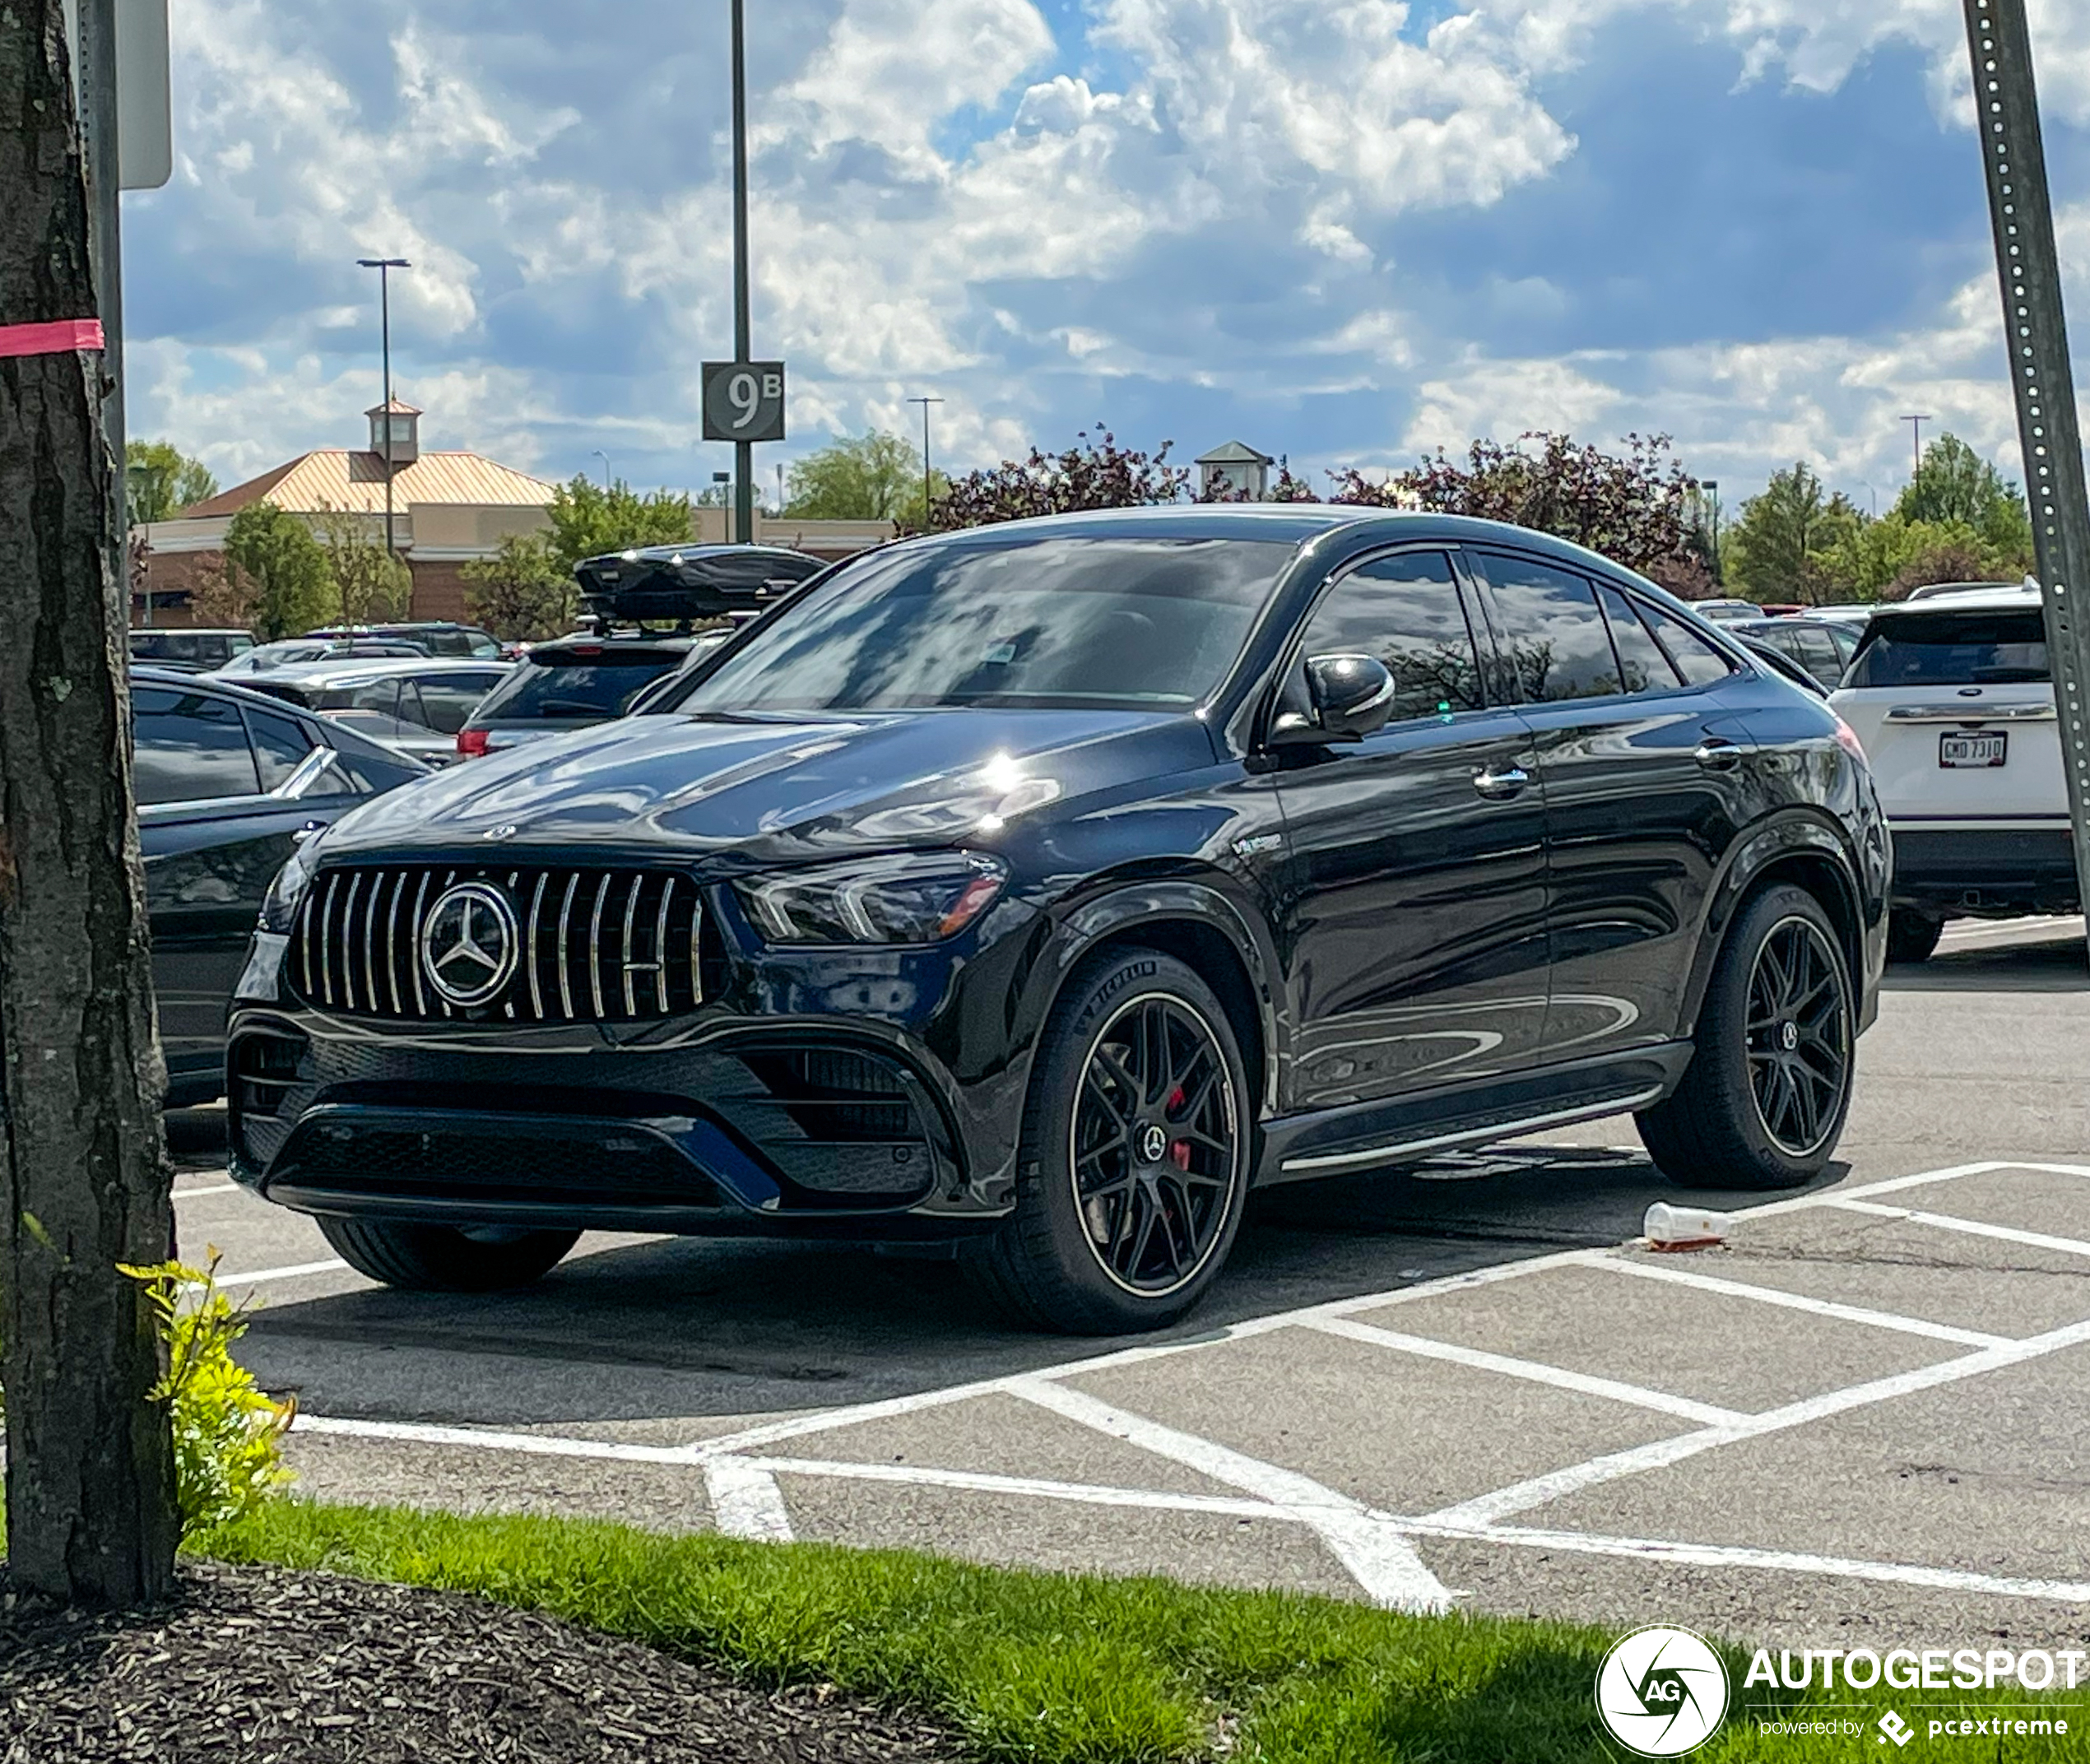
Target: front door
<point>1412,916</point>
<point>1644,773</point>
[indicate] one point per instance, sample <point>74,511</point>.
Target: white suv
<point>1952,700</point>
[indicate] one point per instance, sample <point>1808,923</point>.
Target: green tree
<point>371,585</point>
<point>1952,483</point>
<point>159,479</point>
<point>588,519</point>
<point>520,593</point>
<point>285,567</point>
<point>873,476</point>
<point>1782,545</point>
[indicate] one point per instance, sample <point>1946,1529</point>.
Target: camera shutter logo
<point>1662,1693</point>
<point>468,943</point>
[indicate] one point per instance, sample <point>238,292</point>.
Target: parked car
<point>1855,614</point>
<point>297,652</point>
<point>1781,661</point>
<point>189,652</point>
<point>1036,891</point>
<point>228,784</point>
<point>570,682</point>
<point>1721,610</point>
<point>1822,647</point>
<point>1933,591</point>
<point>678,584</point>
<point>1954,702</point>
<point>435,637</point>
<point>414,707</point>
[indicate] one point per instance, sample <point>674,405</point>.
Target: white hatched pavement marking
<point>1531,1371</point>
<point>1772,1295</point>
<point>1374,1544</point>
<point>1520,1497</point>
<point>1369,1543</point>
<point>745,1502</point>
<point>1973,1228</point>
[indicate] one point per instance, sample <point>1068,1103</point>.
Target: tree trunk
<point>83,1180</point>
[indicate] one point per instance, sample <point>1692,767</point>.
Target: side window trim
<point>1676,682</point>
<point>1294,650</point>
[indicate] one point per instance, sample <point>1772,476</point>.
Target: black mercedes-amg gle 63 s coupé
<point>1029,895</point>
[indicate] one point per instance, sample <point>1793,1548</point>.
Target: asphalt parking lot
<point>1462,1385</point>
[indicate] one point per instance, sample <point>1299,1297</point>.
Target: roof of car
<point>676,641</point>
<point>706,550</point>
<point>349,670</point>
<point>143,673</point>
<point>1984,599</point>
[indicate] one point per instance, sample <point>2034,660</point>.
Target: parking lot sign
<point>743,401</point>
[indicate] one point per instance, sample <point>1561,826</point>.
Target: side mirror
<point>1352,697</point>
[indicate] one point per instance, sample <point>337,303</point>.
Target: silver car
<point>414,707</point>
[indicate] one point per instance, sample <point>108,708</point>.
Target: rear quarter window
<point>1959,648</point>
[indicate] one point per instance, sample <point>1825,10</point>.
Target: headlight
<point>892,900</point>
<point>286,893</point>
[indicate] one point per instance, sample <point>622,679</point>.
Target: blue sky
<point>1347,231</point>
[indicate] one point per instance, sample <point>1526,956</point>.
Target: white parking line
<point>1530,1370</point>
<point>296,1272</point>
<point>745,1502</point>
<point>1772,1295</point>
<point>214,1188</point>
<point>1974,1227</point>
<point>1379,1557</point>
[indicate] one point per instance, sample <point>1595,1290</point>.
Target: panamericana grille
<point>594,946</point>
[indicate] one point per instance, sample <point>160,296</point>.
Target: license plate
<point>1987,749</point>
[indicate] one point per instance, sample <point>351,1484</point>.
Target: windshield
<point>1952,649</point>
<point>552,687</point>
<point>1061,622</point>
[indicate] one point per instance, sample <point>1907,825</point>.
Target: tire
<point>420,1258</point>
<point>1781,1002</point>
<point>1139,1068</point>
<point>1911,937</point>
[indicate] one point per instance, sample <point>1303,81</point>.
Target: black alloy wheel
<point>1763,1099</point>
<point>1155,1150</point>
<point>1138,1146</point>
<point>1799,1036</point>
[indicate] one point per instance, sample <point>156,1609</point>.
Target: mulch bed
<point>270,1667</point>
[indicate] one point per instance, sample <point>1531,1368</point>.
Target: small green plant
<point>228,1431</point>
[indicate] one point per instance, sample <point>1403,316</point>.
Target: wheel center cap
<point>1153,1145</point>
<point>1789,1036</point>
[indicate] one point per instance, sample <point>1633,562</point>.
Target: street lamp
<point>1916,439</point>
<point>925,403</point>
<point>384,267</point>
<point>604,458</point>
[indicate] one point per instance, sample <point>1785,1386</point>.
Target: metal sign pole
<point>2006,111</point>
<point>743,451</point>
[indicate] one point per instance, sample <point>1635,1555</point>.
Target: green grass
<point>1052,1669</point>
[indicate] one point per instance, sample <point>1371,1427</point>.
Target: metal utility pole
<point>743,345</point>
<point>384,267</point>
<point>928,492</point>
<point>95,79</point>
<point>1915,440</point>
<point>604,458</point>
<point>2006,117</point>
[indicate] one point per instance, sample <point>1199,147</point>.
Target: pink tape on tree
<point>57,337</point>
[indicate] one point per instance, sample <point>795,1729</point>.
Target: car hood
<point>753,791</point>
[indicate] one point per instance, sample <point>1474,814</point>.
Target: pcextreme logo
<point>1662,1693</point>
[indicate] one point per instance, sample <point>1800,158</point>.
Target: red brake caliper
<point>1178,1149</point>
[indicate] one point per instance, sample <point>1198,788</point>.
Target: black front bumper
<point>803,1129</point>
<point>1999,873</point>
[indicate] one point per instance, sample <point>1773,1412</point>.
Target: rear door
<point>1643,766</point>
<point>1954,707</point>
<point>1413,914</point>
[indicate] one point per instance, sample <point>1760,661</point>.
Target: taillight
<point>1846,738</point>
<point>471,743</point>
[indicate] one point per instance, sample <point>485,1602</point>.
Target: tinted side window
<point>1641,664</point>
<point>1553,636</point>
<point>191,748</point>
<point>1696,660</point>
<point>279,745</point>
<point>1405,612</point>
<point>445,643</point>
<point>446,702</point>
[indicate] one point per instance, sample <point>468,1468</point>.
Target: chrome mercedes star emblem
<point>468,943</point>
<point>1153,1145</point>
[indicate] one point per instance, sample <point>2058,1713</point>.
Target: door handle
<point>299,835</point>
<point>1499,784</point>
<point>1718,755</point>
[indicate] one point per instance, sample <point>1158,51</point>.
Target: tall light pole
<point>926,481</point>
<point>384,267</point>
<point>599,454</point>
<point>1915,440</point>
<point>743,451</point>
